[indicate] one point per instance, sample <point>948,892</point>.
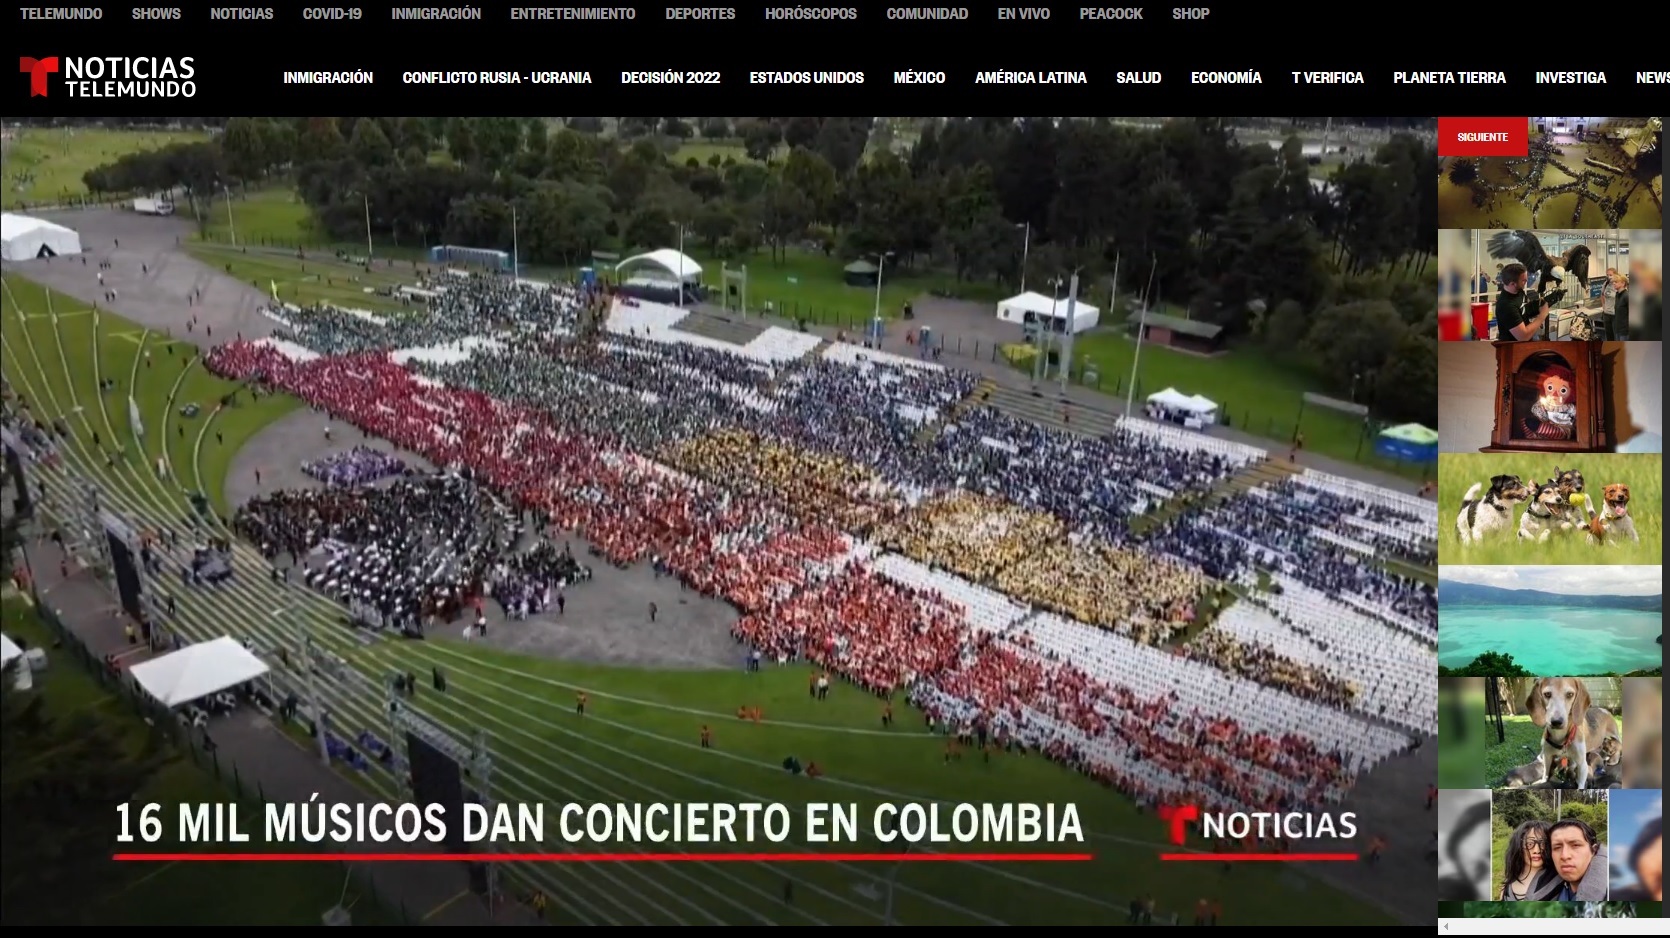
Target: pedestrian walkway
<point>280,767</point>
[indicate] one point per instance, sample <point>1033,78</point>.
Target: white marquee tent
<point>1027,306</point>
<point>197,671</point>
<point>679,266</point>
<point>23,238</point>
<point>1194,404</point>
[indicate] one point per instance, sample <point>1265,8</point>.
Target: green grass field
<point>319,278</point>
<point>639,742</point>
<point>181,894</point>
<point>44,166</point>
<point>1257,395</point>
<point>1643,474</point>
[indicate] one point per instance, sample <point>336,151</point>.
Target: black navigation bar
<point>834,58</point>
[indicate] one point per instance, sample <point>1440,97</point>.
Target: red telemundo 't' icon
<point>37,70</point>
<point>1179,817</point>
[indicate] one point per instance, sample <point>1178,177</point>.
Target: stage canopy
<point>197,671</point>
<point>861,273</point>
<point>1174,399</point>
<point>668,261</point>
<point>23,238</point>
<point>1408,441</point>
<point>1030,306</point>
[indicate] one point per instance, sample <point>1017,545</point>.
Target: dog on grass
<point>1549,512</point>
<point>1480,517</point>
<point>1614,523</point>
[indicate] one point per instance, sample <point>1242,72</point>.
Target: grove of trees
<point>1326,276</point>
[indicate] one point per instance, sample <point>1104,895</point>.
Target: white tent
<point>680,266</point>
<point>1030,306</point>
<point>9,650</point>
<point>1174,400</point>
<point>1204,405</point>
<point>23,238</point>
<point>197,671</point>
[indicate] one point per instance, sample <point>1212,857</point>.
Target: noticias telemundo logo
<point>1267,835</point>
<point>110,76</point>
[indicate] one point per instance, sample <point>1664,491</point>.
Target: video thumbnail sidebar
<point>1550,540</point>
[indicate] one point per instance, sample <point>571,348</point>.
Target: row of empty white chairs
<point>643,319</point>
<point>1415,507</point>
<point>1238,454</point>
<point>849,354</point>
<point>1154,672</point>
<point>1206,693</point>
<point>1393,673</point>
<point>984,610</point>
<point>780,345</point>
<point>656,322</point>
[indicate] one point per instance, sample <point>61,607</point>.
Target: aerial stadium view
<point>1053,461</point>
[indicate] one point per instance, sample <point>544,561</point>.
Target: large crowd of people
<point>769,485</point>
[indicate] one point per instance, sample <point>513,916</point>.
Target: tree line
<point>1324,271</point>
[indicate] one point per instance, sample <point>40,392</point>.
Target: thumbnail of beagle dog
<point>1481,517</point>
<point>1572,727</point>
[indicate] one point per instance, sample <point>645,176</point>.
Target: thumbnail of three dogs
<point>1579,740</point>
<point>1557,506</point>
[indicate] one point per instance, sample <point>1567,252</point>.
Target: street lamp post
<point>881,267</point>
<point>1026,248</point>
<point>680,227</point>
<point>1064,365</point>
<point>1040,369</point>
<point>231,223</point>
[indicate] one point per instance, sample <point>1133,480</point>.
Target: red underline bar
<point>603,857</point>
<point>1260,857</point>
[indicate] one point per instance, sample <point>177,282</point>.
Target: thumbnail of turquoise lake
<point>1552,640</point>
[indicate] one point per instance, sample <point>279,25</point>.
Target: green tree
<point>61,778</point>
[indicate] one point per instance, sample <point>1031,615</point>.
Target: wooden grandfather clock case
<point>1548,398</point>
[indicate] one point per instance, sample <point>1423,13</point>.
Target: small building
<point>25,238</point>
<point>1189,335</point>
<point>861,273</point>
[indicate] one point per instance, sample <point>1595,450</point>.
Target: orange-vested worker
<point>887,714</point>
<point>742,713</point>
<point>812,770</point>
<point>757,715</point>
